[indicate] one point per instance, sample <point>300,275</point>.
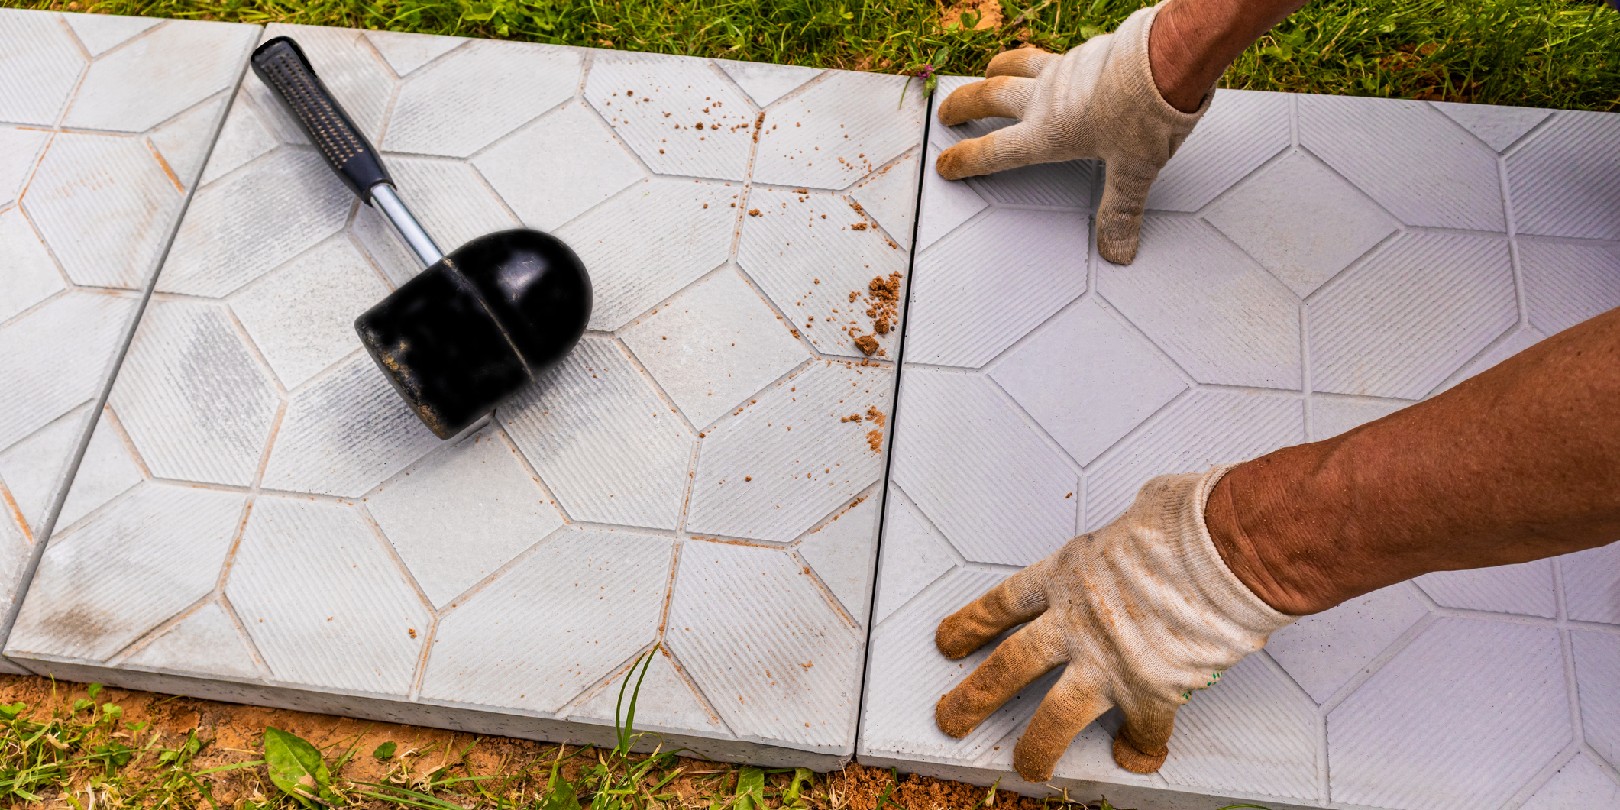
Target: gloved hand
<point>1096,101</point>
<point>1143,612</point>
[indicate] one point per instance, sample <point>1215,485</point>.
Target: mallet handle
<point>284,68</point>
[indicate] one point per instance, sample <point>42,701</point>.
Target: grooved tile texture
<point>104,126</point>
<point>1308,264</point>
<point>702,474</point>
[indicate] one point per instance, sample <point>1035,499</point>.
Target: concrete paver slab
<point>1362,256</point>
<point>104,125</point>
<point>703,473</point>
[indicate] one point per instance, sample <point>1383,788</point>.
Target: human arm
<point>1518,463</point>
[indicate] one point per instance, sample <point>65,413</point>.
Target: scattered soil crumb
<point>753,212</point>
<point>867,344</point>
<point>874,440</point>
<point>859,226</point>
<point>875,416</point>
<point>854,417</point>
<point>748,478</point>
<point>759,122</point>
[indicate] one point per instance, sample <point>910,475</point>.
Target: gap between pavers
<point>96,115</point>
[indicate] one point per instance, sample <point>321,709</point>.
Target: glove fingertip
<point>1032,764</point>
<point>1128,757</point>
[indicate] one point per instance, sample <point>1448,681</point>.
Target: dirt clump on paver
<point>874,440</point>
<point>882,295</point>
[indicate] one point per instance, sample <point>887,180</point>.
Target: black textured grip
<point>282,66</point>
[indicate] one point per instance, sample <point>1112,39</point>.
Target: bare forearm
<point>1193,41</point>
<point>1519,463</point>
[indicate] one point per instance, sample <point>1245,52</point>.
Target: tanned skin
<point>1518,463</point>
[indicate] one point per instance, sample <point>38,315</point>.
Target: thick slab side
<point>1308,264</point>
<point>702,476</point>
<point>104,127</point>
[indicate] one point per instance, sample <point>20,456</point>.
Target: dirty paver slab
<point>1308,264</point>
<point>701,475</point>
<point>104,125</point>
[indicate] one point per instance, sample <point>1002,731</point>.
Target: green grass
<point>1549,53</point>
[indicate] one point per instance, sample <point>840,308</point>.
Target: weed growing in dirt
<point>1545,53</point>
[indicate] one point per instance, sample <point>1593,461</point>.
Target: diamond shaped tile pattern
<point>509,577</point>
<point>104,126</point>
<point>1308,265</point>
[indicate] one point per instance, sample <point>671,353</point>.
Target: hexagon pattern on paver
<point>1324,651</point>
<point>1257,732</point>
<point>1498,127</point>
<point>666,703</point>
<point>465,511</point>
<point>1068,393</point>
<point>103,585</point>
<point>538,636</point>
<point>1566,283</point>
<point>1301,221</point>
<point>714,344</point>
<point>205,643</point>
<point>325,603</point>
<point>31,274</point>
<point>913,556</point>
<point>454,544</point>
<point>598,433</point>
<point>558,167</point>
<point>135,196</point>
<point>792,456</point>
<point>959,315</point>
<point>818,139</point>
<point>41,47</point>
<point>1033,484</point>
<point>1526,589</point>
<point>301,315</point>
<point>674,113</point>
<point>484,90</point>
<point>116,92</point>
<point>790,671</point>
<point>630,273</point>
<point>1579,783</point>
<point>1240,131</point>
<point>1558,181</point>
<point>786,231</point>
<point>189,426</point>
<point>1597,678</point>
<point>1504,710</point>
<point>1423,305</point>
<point>1216,313</point>
<point>1592,584</point>
<point>1441,176</point>
<point>345,433</point>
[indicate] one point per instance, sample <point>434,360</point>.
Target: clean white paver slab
<point>1308,264</point>
<point>104,125</point>
<point>702,475</point>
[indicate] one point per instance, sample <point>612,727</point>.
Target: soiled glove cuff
<point>1131,42</point>
<point>1209,574</point>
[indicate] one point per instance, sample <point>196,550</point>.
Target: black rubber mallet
<point>474,326</point>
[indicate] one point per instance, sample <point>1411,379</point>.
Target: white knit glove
<point>1143,612</point>
<point>1096,101</point>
